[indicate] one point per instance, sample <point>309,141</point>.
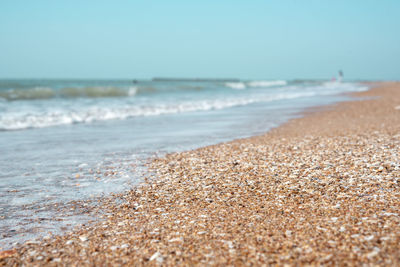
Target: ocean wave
<point>236,85</point>
<point>27,94</point>
<point>38,93</point>
<point>18,121</point>
<point>94,92</point>
<point>267,83</point>
<point>42,93</point>
<point>13,116</point>
<point>337,86</point>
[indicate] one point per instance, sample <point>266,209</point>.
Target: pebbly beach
<point>323,189</point>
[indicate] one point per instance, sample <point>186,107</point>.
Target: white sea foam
<point>266,83</point>
<point>132,91</point>
<point>237,85</point>
<point>341,87</point>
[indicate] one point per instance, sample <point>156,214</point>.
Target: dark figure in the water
<point>340,75</point>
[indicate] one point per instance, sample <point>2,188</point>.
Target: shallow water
<point>63,141</point>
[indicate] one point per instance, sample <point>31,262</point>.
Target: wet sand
<point>322,189</point>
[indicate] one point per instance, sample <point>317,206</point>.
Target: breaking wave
<point>68,109</point>
<point>236,85</point>
<point>27,94</point>
<point>46,92</point>
<point>37,93</point>
<point>267,83</point>
<point>18,121</point>
<point>244,85</point>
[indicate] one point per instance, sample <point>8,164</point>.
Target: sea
<point>63,141</point>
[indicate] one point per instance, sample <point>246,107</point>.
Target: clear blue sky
<point>281,39</point>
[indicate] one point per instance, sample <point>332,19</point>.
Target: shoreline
<point>296,195</point>
<point>15,234</point>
